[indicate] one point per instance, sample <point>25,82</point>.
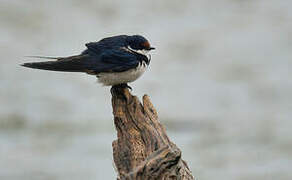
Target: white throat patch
<point>142,52</point>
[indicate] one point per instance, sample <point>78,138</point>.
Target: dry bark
<point>143,150</point>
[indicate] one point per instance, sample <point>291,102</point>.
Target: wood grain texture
<point>143,150</point>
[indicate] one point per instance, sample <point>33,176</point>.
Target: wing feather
<point>116,61</point>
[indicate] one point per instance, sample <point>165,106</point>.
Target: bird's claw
<point>121,86</point>
<point>126,86</point>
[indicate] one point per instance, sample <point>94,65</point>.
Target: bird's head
<point>139,44</point>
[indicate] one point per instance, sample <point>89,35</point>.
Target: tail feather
<point>43,57</point>
<point>68,64</point>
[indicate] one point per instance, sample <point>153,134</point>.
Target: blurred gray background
<point>220,79</point>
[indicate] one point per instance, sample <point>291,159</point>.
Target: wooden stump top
<point>143,149</point>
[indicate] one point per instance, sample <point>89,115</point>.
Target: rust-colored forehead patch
<point>146,45</point>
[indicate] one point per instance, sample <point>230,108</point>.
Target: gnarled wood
<point>143,150</point>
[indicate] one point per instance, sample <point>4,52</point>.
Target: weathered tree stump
<point>143,150</point>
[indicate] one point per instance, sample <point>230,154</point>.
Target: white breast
<point>114,78</point>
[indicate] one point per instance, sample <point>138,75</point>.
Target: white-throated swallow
<point>115,60</point>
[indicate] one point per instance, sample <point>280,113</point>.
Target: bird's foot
<point>119,87</point>
<point>125,85</point>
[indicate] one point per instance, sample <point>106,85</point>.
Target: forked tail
<point>68,64</point>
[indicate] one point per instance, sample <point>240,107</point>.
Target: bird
<point>115,61</point>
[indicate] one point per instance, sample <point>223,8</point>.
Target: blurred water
<point>220,79</point>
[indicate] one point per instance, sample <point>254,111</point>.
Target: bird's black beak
<point>151,48</point>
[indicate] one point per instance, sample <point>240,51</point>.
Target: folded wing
<point>110,60</point>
